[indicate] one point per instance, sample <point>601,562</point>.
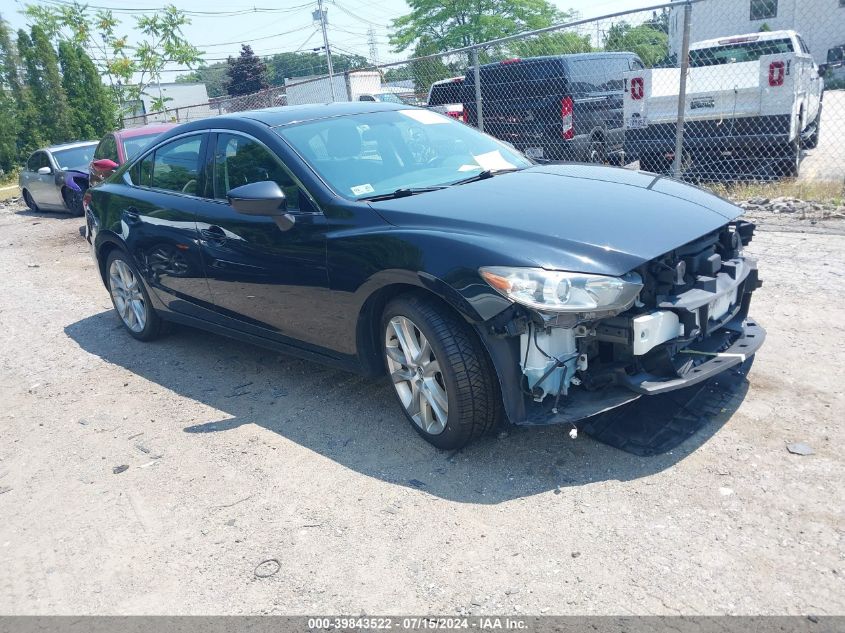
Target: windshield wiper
<point>402,192</point>
<point>484,175</point>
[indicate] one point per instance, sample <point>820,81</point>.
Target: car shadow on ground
<point>356,422</point>
<point>51,215</point>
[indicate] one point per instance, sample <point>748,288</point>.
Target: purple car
<point>55,178</point>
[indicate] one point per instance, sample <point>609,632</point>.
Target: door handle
<point>130,214</point>
<point>213,234</point>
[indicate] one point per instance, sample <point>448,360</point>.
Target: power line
<point>189,12</point>
<point>255,39</point>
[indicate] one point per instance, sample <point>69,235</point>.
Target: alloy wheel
<point>127,295</point>
<point>416,375</point>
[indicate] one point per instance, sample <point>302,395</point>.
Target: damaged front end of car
<point>574,345</point>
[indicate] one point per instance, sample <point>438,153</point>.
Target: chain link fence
<point>705,90</point>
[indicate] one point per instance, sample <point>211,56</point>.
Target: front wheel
<point>73,201</point>
<point>130,298</point>
<point>440,371</point>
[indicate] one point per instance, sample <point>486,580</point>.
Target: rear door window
<point>446,93</point>
<point>34,161</point>
<point>176,166</point>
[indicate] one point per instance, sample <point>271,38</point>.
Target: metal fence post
<point>682,94</point>
<point>478,101</point>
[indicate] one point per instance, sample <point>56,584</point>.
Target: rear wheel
<point>813,141</point>
<point>30,203</point>
<point>654,163</point>
<point>440,371</point>
<point>790,165</point>
<point>130,298</point>
<point>597,153</point>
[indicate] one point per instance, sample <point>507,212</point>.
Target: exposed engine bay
<point>687,323</point>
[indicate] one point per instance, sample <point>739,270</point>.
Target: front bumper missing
<point>751,337</point>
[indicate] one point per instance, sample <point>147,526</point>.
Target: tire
<point>30,203</point>
<point>597,153</point>
<point>452,369</point>
<point>130,300</point>
<point>790,166</point>
<point>654,163</point>
<point>73,202</point>
<point>813,141</point>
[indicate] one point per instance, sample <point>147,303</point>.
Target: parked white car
<point>755,94</point>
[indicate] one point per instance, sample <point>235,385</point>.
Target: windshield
<point>133,146</point>
<point>377,153</point>
<point>75,158</point>
<point>738,52</point>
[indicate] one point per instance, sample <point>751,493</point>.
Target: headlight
<point>558,291</point>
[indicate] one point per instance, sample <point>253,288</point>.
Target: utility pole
<point>322,18</point>
<point>371,40</point>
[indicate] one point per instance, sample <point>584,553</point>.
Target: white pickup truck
<point>748,97</point>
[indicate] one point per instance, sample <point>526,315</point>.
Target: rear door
<point>158,219</point>
<point>264,280</point>
<point>521,100</point>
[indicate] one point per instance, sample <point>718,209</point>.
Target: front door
<point>42,187</point>
<point>263,279</point>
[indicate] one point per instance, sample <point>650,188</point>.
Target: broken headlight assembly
<point>559,291</point>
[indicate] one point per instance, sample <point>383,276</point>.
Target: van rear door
<point>522,100</point>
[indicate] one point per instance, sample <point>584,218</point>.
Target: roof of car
<point>145,130</point>
<point>566,56</point>
<point>61,146</point>
<point>285,115</point>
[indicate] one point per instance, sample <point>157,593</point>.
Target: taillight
<point>567,118</point>
<point>637,88</point>
<point>464,116</point>
<point>86,201</point>
<point>777,73</point>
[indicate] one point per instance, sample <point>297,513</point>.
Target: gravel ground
<point>237,455</point>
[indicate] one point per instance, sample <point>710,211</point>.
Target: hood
<point>582,218</point>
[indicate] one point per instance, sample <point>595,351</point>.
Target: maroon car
<point>116,148</point>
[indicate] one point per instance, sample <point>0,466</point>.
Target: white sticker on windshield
<point>362,189</point>
<point>493,161</point>
<point>426,117</point>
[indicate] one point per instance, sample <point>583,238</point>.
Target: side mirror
<point>44,171</point>
<point>262,198</point>
<point>104,164</point>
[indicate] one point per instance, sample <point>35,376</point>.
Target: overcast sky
<point>289,26</point>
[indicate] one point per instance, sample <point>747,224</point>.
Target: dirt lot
<point>237,455</point>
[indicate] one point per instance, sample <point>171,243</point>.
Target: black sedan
<point>387,239</point>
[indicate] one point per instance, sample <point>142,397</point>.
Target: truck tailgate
<point>713,92</point>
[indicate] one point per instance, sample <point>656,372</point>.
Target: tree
<point>459,23</point>
<point>130,70</point>
<point>649,43</point>
<point>213,76</point>
<point>8,106</point>
<point>559,43</point>
<point>45,86</point>
<point>247,73</point>
<point>289,65</point>
<point>92,107</point>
